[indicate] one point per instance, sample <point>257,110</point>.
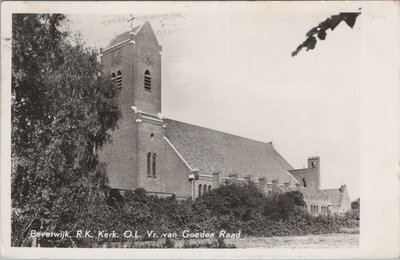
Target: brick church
<point>165,156</point>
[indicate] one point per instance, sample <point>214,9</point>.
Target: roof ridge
<point>330,189</point>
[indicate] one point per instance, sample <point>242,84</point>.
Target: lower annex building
<point>165,156</point>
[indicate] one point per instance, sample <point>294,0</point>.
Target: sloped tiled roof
<point>211,151</point>
<point>334,195</point>
<point>122,37</point>
<point>314,194</point>
<point>287,189</point>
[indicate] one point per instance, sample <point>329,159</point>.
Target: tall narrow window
<point>304,183</point>
<point>209,188</point>
<point>154,164</point>
<point>118,79</point>
<point>113,77</point>
<point>204,189</point>
<point>147,80</point>
<point>148,164</point>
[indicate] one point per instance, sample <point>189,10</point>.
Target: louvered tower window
<point>118,79</point>
<point>147,80</point>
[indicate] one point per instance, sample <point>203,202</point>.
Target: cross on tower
<point>131,20</point>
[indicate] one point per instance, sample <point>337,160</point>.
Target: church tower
<point>135,159</point>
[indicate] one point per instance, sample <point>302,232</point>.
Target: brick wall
<point>120,155</point>
<point>153,145</point>
<point>147,46</point>
<point>125,158</point>
<point>202,182</point>
<point>176,174</point>
<point>317,204</point>
<point>345,203</point>
<point>310,175</point>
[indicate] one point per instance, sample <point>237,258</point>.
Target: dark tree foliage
<point>281,206</point>
<point>355,210</point>
<point>320,30</point>
<point>240,201</point>
<point>62,109</point>
<point>355,204</point>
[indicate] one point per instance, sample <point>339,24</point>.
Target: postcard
<point>200,130</point>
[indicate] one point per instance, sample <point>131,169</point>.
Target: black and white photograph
<point>182,126</point>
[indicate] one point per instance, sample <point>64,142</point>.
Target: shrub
<point>281,206</point>
<point>231,207</point>
<point>237,200</point>
<point>169,243</point>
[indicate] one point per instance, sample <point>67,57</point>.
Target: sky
<point>229,67</point>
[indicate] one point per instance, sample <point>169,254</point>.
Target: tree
<point>62,111</point>
<point>320,30</point>
<point>239,201</point>
<point>282,205</point>
<point>355,205</point>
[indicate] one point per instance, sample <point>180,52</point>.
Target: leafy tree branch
<point>320,31</point>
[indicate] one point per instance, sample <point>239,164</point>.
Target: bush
<point>237,200</point>
<point>231,208</point>
<point>219,243</point>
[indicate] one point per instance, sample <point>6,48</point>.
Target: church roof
<point>334,195</point>
<point>123,36</point>
<point>214,151</point>
<point>315,194</point>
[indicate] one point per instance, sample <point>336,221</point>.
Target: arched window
<point>209,188</point>
<point>118,79</point>
<point>113,77</point>
<point>204,189</point>
<point>148,164</point>
<point>147,80</point>
<point>200,187</point>
<point>154,164</point>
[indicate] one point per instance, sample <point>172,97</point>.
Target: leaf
<point>322,35</point>
<point>350,18</point>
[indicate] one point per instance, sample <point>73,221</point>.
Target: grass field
<point>311,241</point>
<point>342,240</point>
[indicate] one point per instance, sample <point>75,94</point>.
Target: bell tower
<point>147,71</point>
<point>134,160</point>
